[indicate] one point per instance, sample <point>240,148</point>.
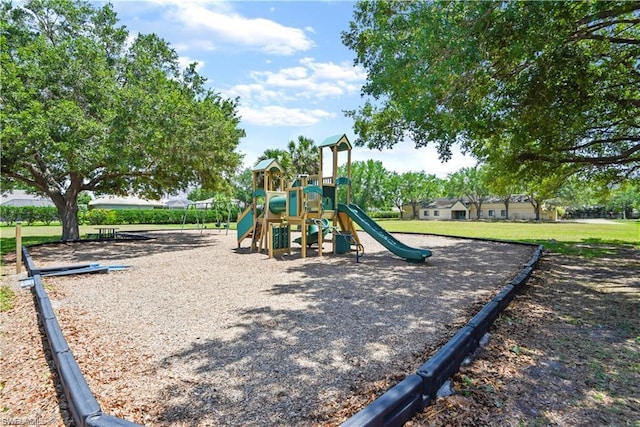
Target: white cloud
<point>275,115</point>
<point>404,157</point>
<point>344,72</point>
<point>256,93</point>
<point>185,61</point>
<point>231,28</point>
<point>308,80</point>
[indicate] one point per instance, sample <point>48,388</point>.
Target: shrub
<point>101,217</point>
<point>29,214</point>
<point>384,214</point>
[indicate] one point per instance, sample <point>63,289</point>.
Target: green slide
<point>312,232</point>
<point>382,236</point>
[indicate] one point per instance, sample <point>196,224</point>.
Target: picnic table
<point>106,232</point>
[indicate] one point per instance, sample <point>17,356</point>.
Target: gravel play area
<point>199,332</point>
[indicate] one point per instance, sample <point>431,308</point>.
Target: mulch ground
<point>566,352</point>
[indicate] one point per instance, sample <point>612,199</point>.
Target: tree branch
<point>616,40</point>
<point>627,7</point>
<point>600,142</point>
<point>604,24</point>
<point>627,157</point>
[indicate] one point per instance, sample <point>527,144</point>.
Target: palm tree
<point>304,156</point>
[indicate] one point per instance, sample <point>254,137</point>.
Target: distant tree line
<point>375,188</point>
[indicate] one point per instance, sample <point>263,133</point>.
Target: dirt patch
<point>566,352</point>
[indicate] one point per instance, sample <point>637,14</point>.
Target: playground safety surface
<point>197,332</point>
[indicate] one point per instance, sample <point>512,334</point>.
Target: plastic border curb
<point>83,406</point>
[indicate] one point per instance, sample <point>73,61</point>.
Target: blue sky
<point>285,61</point>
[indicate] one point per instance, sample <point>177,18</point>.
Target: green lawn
<point>50,233</point>
<point>566,237</point>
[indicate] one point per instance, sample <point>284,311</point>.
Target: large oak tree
<point>84,107</point>
<point>532,86</point>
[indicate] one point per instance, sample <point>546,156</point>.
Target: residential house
<point>439,209</point>
<point>520,208</point>
<point>112,202</point>
<point>22,198</point>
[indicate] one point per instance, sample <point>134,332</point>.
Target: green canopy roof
<point>341,142</point>
<point>268,165</point>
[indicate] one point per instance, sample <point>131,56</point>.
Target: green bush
<point>28,214</point>
<point>101,217</point>
<point>48,214</point>
<point>147,216</point>
<point>9,214</point>
<point>384,214</point>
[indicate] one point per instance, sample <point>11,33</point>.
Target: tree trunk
<point>399,206</point>
<point>70,226</point>
<point>537,205</point>
<point>536,209</point>
<point>67,205</point>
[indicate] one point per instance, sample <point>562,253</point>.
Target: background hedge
<point>36,214</point>
<point>28,214</point>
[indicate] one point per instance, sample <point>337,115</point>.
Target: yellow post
<point>18,247</point>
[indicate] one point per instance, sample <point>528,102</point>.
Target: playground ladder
<point>257,235</point>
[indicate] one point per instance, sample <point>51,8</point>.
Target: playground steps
<point>257,235</point>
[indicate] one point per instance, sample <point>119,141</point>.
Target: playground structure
<point>310,204</point>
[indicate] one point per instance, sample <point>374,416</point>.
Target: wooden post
<point>18,247</point>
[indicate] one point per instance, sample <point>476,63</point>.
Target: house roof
<point>124,201</point>
<point>23,198</point>
<point>442,203</point>
<point>178,202</point>
<point>447,203</point>
<point>515,198</point>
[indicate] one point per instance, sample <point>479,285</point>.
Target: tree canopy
<point>528,85</point>
<point>85,108</point>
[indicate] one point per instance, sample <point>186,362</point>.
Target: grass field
<point>588,239</point>
<point>578,238</point>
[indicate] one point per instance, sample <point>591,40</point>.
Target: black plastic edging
<point>400,403</point>
<point>393,408</point>
<point>83,406</point>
